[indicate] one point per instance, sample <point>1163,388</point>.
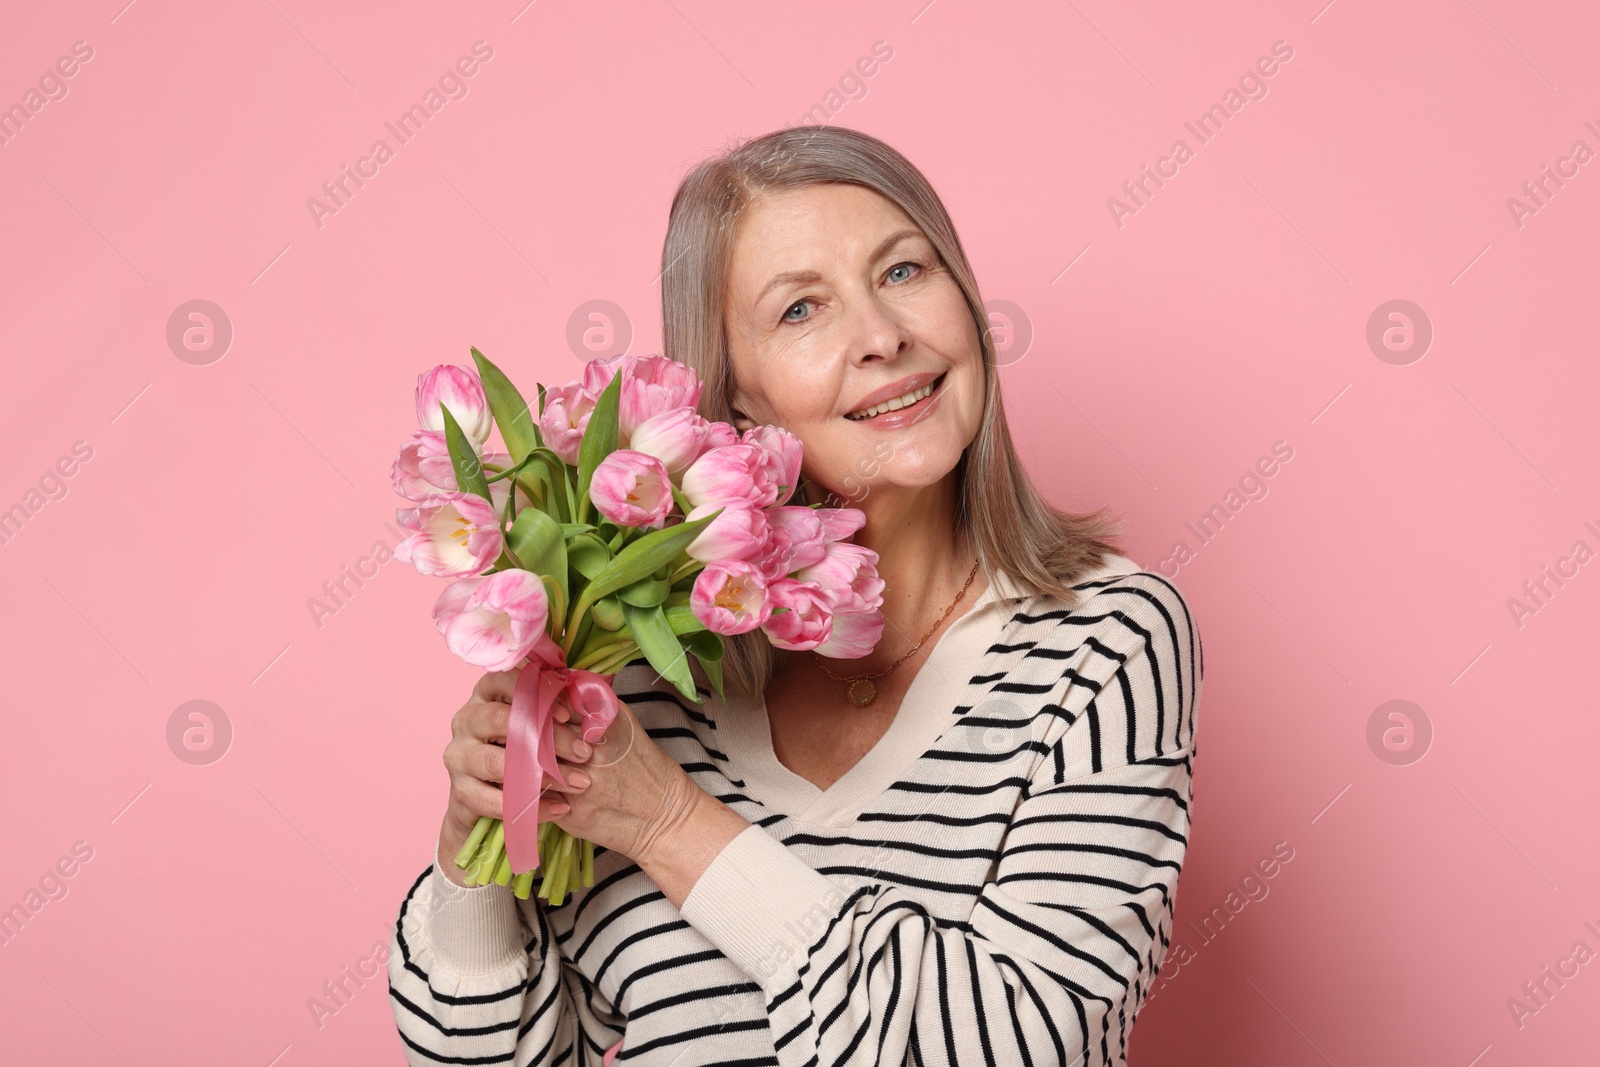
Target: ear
<point>739,420</point>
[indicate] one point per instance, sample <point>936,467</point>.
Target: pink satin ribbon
<point>530,739</point>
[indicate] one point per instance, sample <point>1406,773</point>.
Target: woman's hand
<point>476,760</point>
<point>636,795</point>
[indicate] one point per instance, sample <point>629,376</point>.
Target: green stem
<point>578,627</point>
<point>564,873</point>
<point>579,610</point>
<point>502,873</point>
<point>602,652</point>
<point>480,830</point>
<point>493,849</point>
<point>617,661</point>
<point>550,853</point>
<point>506,472</point>
<point>684,571</point>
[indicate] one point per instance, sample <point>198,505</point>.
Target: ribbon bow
<point>530,739</point>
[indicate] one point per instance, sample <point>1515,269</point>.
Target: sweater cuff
<point>761,905</point>
<point>473,931</point>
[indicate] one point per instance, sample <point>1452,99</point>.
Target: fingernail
<point>582,749</point>
<point>580,779</point>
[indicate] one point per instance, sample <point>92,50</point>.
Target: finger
<point>550,802</point>
<point>496,685</point>
<point>480,798</point>
<point>488,721</point>
<point>487,763</point>
<point>578,778</point>
<point>571,746</point>
<point>574,779</point>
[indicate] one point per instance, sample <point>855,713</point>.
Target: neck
<point>923,560</point>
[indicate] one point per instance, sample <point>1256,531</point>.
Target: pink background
<point>1168,354</point>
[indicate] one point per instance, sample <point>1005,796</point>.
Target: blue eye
<point>897,266</point>
<point>797,304</point>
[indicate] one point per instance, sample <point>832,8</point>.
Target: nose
<point>876,332</point>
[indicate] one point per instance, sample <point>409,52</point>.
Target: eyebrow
<point>809,276</point>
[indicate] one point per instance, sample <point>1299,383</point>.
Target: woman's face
<point>836,302</point>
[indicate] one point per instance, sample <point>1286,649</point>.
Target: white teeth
<point>893,405</point>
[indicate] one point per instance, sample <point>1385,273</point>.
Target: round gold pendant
<point>862,692</point>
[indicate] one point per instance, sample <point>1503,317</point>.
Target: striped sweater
<point>992,884</point>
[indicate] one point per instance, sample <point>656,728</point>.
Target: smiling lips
<point>902,394</point>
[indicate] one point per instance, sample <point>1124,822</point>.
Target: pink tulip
<point>675,437</point>
<point>738,533</point>
<point>848,573</point>
<point>566,415</point>
<point>807,623</point>
<point>794,540</point>
<point>721,433</point>
<point>598,372</point>
<point>730,598</point>
<point>733,474</point>
<point>423,467</point>
<point>650,385</point>
<point>459,390</point>
<point>631,488</point>
<point>840,523</point>
<point>785,449</point>
<point>495,620</point>
<point>454,534</point>
<point>854,635</point>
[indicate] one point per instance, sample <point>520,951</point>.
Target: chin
<point>918,470</point>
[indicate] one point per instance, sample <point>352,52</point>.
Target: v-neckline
<point>925,712</point>
<point>944,683</point>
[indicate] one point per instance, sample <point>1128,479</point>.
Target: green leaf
<point>684,503</point>
<point>572,529</point>
<point>599,436</point>
<point>713,669</point>
<point>468,468</point>
<point>660,646</point>
<point>642,557</point>
<point>536,540</point>
<point>647,592</point>
<point>608,613</point>
<point>706,647</point>
<point>683,618</point>
<point>510,411</point>
<point>557,592</point>
<point>588,555</point>
<point>704,644</point>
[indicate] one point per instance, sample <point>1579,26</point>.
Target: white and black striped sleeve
<point>471,984</point>
<point>1064,941</point>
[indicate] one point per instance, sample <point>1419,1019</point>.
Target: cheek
<point>828,458</point>
<point>801,390</point>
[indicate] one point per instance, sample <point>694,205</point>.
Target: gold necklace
<point>862,689</point>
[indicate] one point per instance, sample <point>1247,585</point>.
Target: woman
<point>962,848</point>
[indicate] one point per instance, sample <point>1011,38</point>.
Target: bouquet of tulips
<point>618,522</point>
